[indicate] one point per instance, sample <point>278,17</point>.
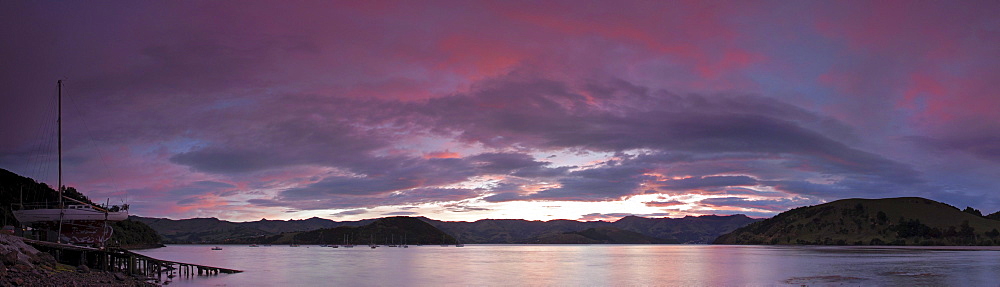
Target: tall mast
<point>59,137</point>
<point>62,210</point>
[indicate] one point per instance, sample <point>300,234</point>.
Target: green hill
<point>690,229</point>
<point>382,231</point>
<point>890,221</point>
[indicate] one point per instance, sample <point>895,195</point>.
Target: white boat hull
<point>53,214</point>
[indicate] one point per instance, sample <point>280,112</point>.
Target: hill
<point>212,230</point>
<point>382,231</point>
<point>891,221</point>
<point>599,235</point>
<point>690,229</point>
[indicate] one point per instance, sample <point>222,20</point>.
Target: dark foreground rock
<point>23,265</point>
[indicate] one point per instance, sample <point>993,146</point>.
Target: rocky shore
<point>23,265</point>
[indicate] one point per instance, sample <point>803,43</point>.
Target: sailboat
<point>79,222</point>
<point>347,241</point>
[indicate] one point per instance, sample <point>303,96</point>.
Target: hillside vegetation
<point>599,235</point>
<point>212,230</point>
<point>382,231</point>
<point>891,221</point>
<point>690,229</point>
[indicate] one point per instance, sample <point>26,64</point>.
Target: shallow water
<point>588,265</point>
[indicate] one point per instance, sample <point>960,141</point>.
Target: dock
<point>124,261</point>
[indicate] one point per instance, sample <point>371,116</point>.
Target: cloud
<point>772,205</point>
<point>350,212</point>
<point>201,187</point>
<point>398,213</point>
<point>345,105</point>
<point>708,181</point>
<point>664,203</point>
<point>984,146</point>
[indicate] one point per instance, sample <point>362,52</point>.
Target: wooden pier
<point>121,260</point>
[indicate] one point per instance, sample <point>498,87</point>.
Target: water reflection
<point>587,265</point>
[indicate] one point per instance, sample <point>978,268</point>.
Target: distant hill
<point>599,235</point>
<point>690,229</point>
<point>891,221</point>
<point>212,230</point>
<point>383,231</point>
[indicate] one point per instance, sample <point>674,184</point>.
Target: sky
<point>539,110</point>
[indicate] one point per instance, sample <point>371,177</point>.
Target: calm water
<point>587,265</point>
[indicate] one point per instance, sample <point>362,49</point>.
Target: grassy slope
<point>858,222</point>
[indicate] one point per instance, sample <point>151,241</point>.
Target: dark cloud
<point>464,208</point>
<point>774,205</point>
<point>398,213</point>
<point>319,197</point>
<point>708,181</point>
<point>985,146</point>
<point>664,203</point>
<point>609,182</point>
<point>517,164</point>
<point>201,187</point>
<point>349,186</point>
<point>350,212</point>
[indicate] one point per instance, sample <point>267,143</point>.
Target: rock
<point>18,281</point>
<point>83,269</point>
<point>9,257</point>
<point>46,259</point>
<point>13,257</point>
<point>23,268</point>
<point>120,277</point>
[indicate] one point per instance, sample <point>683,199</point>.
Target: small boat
<point>254,245</point>
<point>347,241</point>
<point>216,248</point>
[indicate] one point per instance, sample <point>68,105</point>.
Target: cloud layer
<point>467,110</point>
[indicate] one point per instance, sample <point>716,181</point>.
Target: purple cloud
<point>333,105</point>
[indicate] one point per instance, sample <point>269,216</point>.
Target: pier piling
<point>125,261</point>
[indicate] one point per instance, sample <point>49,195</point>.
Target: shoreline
<point>23,265</point>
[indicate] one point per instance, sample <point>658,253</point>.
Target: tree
<point>973,211</point>
<point>881,218</point>
<point>993,233</point>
